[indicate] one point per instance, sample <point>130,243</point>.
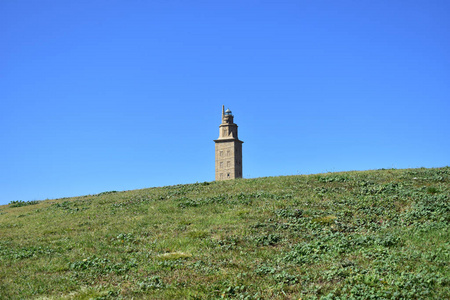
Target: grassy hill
<point>380,234</point>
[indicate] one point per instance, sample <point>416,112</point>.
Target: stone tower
<point>228,149</point>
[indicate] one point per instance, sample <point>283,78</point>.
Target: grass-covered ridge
<point>382,234</point>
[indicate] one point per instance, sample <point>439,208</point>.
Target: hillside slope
<point>382,234</point>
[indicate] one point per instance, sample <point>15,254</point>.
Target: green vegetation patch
<point>381,234</point>
<point>20,203</point>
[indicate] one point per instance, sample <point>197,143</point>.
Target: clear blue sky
<point>125,94</point>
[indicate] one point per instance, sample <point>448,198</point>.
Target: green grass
<point>381,234</point>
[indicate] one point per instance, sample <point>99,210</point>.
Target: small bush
<point>20,203</point>
<point>154,282</point>
<point>267,239</point>
<point>432,190</point>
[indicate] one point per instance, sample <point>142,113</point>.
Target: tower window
<point>221,164</point>
<point>221,175</point>
<point>221,153</point>
<point>228,164</point>
<point>228,175</point>
<point>228,152</point>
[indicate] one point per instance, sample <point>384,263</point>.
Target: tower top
<point>228,129</point>
<point>227,116</point>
